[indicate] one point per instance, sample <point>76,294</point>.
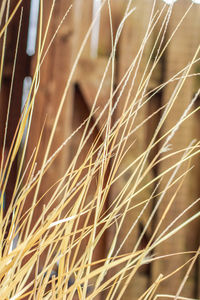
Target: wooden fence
<point>84,86</point>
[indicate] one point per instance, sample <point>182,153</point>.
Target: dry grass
<point>57,235</point>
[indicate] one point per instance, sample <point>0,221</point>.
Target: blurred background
<point>54,73</point>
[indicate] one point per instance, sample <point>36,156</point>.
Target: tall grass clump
<point>52,235</point>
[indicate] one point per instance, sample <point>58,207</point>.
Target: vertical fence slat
<point>54,73</point>
<point>87,78</point>
<point>179,54</point>
<point>132,35</point>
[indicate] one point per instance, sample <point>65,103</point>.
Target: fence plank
<point>88,76</point>
<point>130,42</point>
<point>179,54</point>
<point>54,73</point>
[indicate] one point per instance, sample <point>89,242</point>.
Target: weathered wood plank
<point>90,70</point>
<point>179,54</point>
<point>82,22</point>
<point>54,74</point>
<point>89,76</point>
<point>130,42</point>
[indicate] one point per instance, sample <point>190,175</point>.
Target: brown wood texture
<point>54,74</point>
<point>179,53</point>
<point>87,78</point>
<point>129,45</point>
